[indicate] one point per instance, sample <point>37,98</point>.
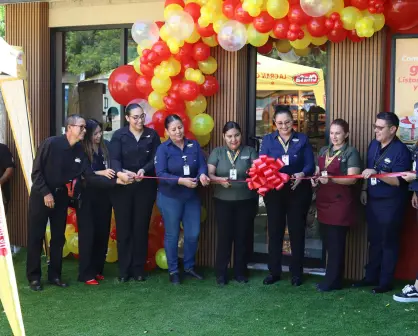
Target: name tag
<point>414,166</point>
<point>233,174</point>
<point>285,159</point>
<point>373,181</point>
<point>324,173</point>
<point>186,170</point>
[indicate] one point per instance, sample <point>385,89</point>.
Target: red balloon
<point>228,8</point>
<point>201,51</point>
<point>122,84</point>
<point>205,31</point>
<point>173,2</point>
<point>154,243</point>
<point>143,84</point>
<point>150,264</point>
<point>294,2</point>
<point>162,50</point>
<point>242,16</point>
<point>184,52</point>
<point>264,22</point>
<point>189,135</point>
<point>189,63</point>
<point>297,15</point>
<point>189,90</point>
<point>158,119</point>
<point>159,24</point>
<point>175,86</point>
<point>352,35</point>
<point>401,14</point>
<point>337,35</point>
<point>157,225</point>
<point>280,28</point>
<point>360,4</point>
<point>76,256</point>
<point>113,234</point>
<point>194,10</point>
<point>266,49</point>
<point>159,129</point>
<point>185,120</point>
<point>173,104</point>
<point>210,86</point>
<point>147,69</point>
<point>316,26</point>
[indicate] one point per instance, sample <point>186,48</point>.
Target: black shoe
<point>382,289</point>
<point>409,294</point>
<point>175,278</point>
<point>221,280</point>
<point>35,285</point>
<point>326,288</point>
<point>241,279</point>
<point>193,274</point>
<point>364,283</point>
<point>271,279</point>
<point>123,279</point>
<point>296,281</point>
<point>57,282</point>
<point>140,278</point>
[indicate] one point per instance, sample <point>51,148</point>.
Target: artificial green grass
<point>156,307</point>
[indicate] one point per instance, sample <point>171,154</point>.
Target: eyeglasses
<point>137,117</point>
<point>82,127</point>
<point>380,128</point>
<point>281,124</point>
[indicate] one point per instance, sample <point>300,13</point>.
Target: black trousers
<point>289,206</point>
<point>334,239</point>
<point>234,220</point>
<point>94,216</point>
<point>133,208</point>
<point>37,221</point>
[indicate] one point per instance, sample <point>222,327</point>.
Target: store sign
<point>405,88</point>
<point>310,78</point>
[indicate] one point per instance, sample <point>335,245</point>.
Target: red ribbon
<point>265,176</point>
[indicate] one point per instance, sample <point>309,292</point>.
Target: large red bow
<point>265,175</point>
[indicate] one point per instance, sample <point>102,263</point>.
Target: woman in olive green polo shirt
<point>336,201</point>
<point>235,204</point>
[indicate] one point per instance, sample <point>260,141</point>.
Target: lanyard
<point>232,160</point>
<point>328,159</point>
<point>377,160</point>
<point>285,146</point>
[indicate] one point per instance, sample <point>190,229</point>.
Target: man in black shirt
<point>59,160</point>
<point>7,166</point>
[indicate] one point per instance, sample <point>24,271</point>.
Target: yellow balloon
<point>278,9</point>
<point>72,243</point>
<point>378,19</point>
<point>208,66</point>
<point>155,99</point>
<point>318,41</point>
<point>337,7</point>
<point>69,230</point>
<point>283,46</point>
<point>202,124</point>
<point>203,140</point>
<point>170,9</point>
<point>48,234</point>
<point>161,84</point>
<point>196,106</point>
<point>65,250</point>
<point>174,45</point>
<point>302,52</point>
<point>139,50</point>
<point>210,41</point>
<point>195,76</point>
<point>303,43</point>
<point>137,65</point>
<point>194,37</point>
<point>256,38</point>
<point>203,21</point>
<point>218,22</point>
<point>349,16</point>
<point>112,254</point>
<point>164,34</point>
<point>176,66</point>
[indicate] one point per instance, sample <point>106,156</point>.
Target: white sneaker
<point>409,294</point>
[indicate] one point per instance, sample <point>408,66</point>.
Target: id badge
<point>373,181</point>
<point>324,173</point>
<point>414,166</point>
<point>285,159</point>
<point>186,170</point>
<point>232,174</point>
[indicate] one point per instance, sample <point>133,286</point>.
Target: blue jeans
<point>174,211</point>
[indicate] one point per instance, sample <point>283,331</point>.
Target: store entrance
<point>299,84</point>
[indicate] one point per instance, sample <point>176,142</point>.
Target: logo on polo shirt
<point>295,140</point>
<point>387,161</point>
<point>190,145</point>
<point>77,160</point>
<point>245,157</point>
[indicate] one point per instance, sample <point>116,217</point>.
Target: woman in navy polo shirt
<point>290,204</point>
<point>95,210</point>
<point>180,164</point>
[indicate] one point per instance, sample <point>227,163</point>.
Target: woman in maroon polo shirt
<point>336,201</point>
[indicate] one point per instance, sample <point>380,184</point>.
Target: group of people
<point>123,174</point>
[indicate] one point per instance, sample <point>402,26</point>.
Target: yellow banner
<point>8,287</point>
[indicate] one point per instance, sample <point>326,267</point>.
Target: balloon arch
<point>173,72</point>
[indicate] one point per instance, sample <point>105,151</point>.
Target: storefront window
<point>132,52</point>
<point>297,82</point>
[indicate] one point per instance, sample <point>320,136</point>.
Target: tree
<point>2,22</point>
<point>92,52</point>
